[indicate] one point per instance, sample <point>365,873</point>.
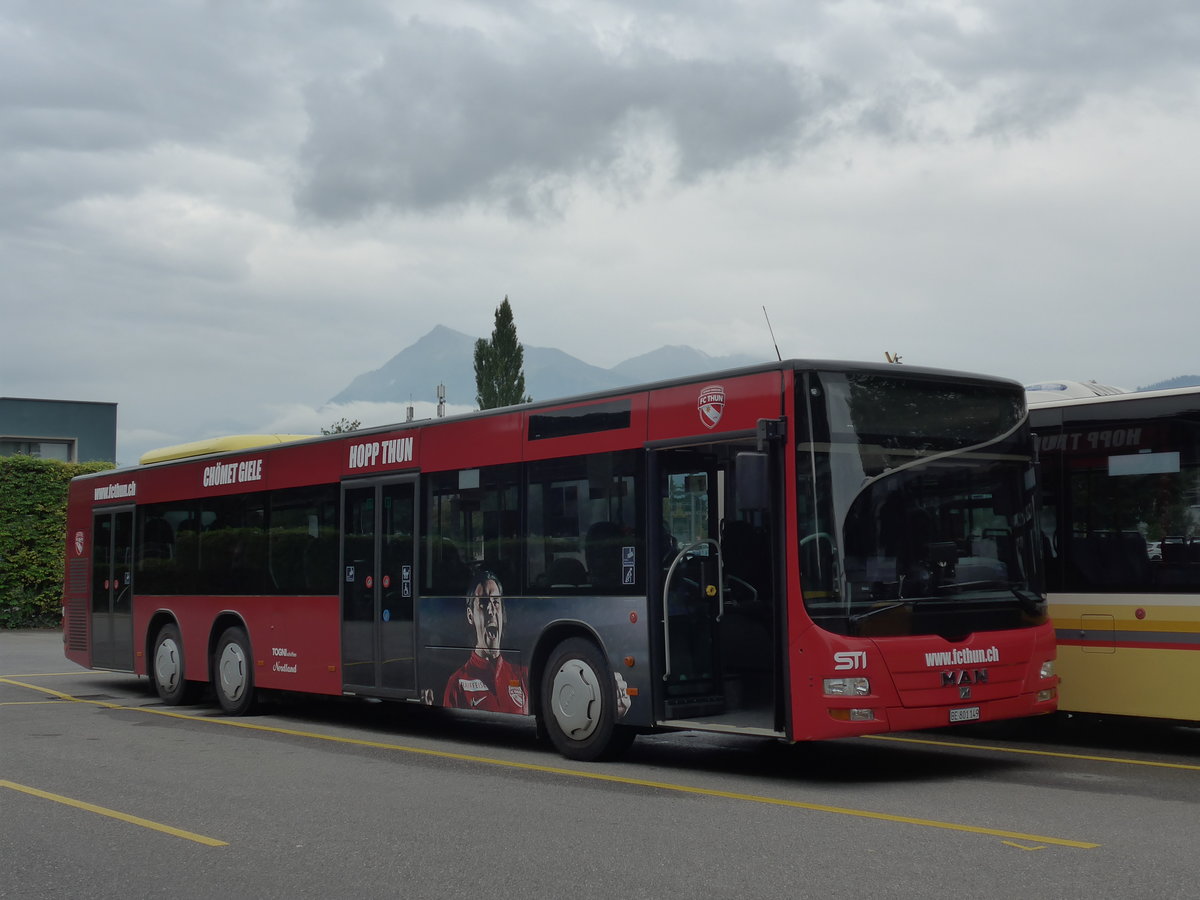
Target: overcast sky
<point>216,214</point>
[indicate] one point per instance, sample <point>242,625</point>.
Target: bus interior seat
<point>1111,559</point>
<point>158,540</point>
<point>566,571</point>
<point>602,547</point>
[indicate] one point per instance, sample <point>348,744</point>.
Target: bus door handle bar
<point>667,594</point>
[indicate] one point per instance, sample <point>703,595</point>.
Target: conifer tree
<point>500,364</point>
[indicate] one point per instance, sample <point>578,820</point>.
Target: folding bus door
<point>719,602</point>
<point>112,590</point>
<point>378,586</point>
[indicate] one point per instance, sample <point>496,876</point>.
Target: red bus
<point>799,550</point>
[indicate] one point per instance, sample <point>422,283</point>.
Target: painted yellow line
<point>114,814</point>
<point>53,693</point>
<point>592,776</point>
<point>60,674</point>
<point>1054,754</point>
<point>27,702</point>
<point>621,779</point>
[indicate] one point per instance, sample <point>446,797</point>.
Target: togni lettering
<point>290,668</point>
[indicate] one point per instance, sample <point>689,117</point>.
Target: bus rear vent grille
<point>77,576</point>
<point>77,623</point>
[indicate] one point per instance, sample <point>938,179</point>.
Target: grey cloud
<point>451,116</point>
<point>97,77</point>
<point>454,116</point>
<point>1101,42</point>
<point>1033,63</point>
<point>513,112</point>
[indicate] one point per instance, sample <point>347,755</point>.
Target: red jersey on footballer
<point>491,684</point>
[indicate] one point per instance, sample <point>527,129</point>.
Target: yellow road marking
<point>575,773</point>
<point>1021,846</point>
<point>45,690</point>
<point>27,702</point>
<point>959,745</point>
<point>114,814</point>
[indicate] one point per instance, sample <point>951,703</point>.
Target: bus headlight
<point>1047,669</point>
<point>846,687</point>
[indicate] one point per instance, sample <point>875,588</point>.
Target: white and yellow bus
<point>1121,534</point>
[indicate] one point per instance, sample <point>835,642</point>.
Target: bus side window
<point>472,519</point>
<point>584,533</point>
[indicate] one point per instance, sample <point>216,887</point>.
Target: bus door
<point>720,611</point>
<point>112,590</point>
<point>379,519</point>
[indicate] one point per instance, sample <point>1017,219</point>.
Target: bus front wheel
<point>579,703</point>
<point>233,672</point>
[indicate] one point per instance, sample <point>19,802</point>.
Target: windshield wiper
<point>911,603</point>
<point>1030,602</point>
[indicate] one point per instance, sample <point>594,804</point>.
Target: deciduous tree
<point>342,425</point>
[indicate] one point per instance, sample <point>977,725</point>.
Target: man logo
<point>964,676</point>
<point>711,404</point>
<point>79,543</point>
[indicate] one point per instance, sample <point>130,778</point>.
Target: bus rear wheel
<point>233,672</point>
<point>579,703</point>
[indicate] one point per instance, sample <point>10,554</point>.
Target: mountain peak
<point>445,356</point>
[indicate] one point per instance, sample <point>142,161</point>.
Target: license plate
<point>964,714</point>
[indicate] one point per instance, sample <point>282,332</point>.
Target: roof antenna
<point>772,330</point>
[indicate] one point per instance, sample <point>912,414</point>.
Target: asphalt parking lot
<point>104,792</point>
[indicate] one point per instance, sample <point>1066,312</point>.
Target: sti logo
<point>711,404</point>
<point>850,659</point>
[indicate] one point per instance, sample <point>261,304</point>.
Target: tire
<point>579,702</point>
<point>233,672</point>
<point>167,668</point>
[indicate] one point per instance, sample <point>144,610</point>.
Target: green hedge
<point>33,522</point>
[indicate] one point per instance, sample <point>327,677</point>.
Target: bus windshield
<point>916,505</point>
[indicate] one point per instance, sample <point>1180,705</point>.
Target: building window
<point>64,451</point>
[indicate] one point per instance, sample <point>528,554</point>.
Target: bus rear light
<point>1047,670</point>
<point>846,687</point>
<point>1043,696</point>
<point>852,715</point>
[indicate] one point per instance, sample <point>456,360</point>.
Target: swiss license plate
<point>964,714</point>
